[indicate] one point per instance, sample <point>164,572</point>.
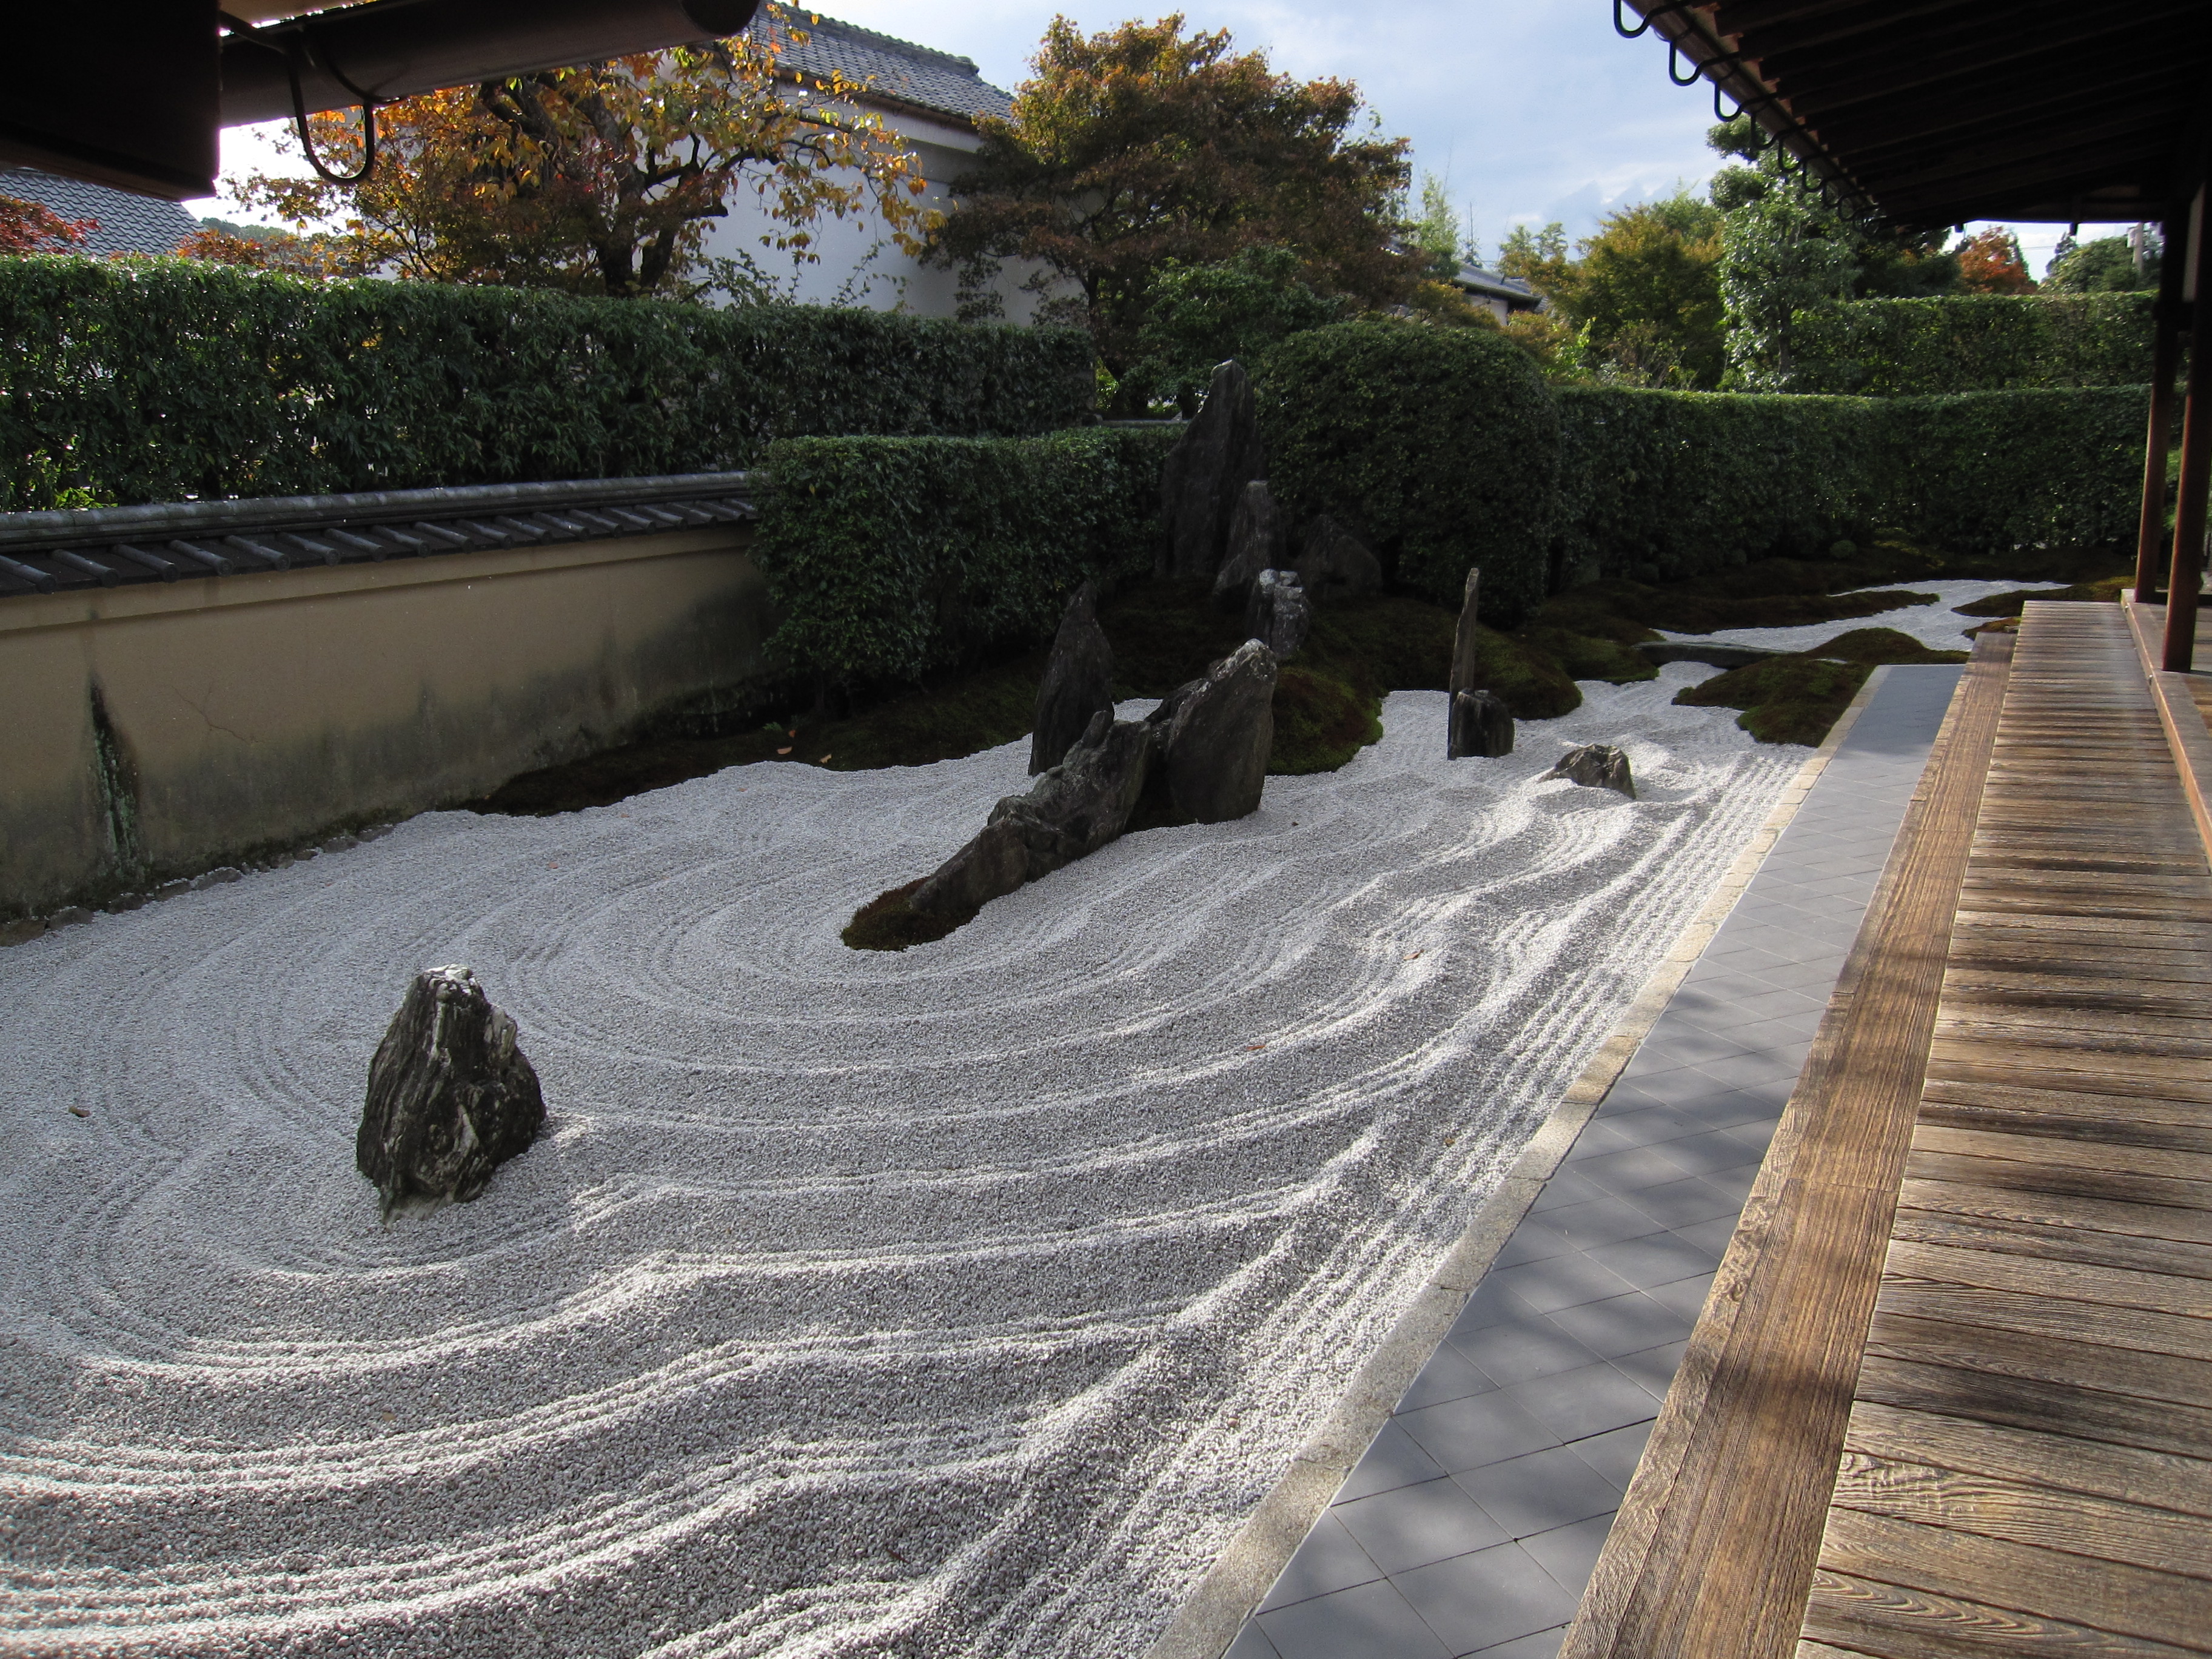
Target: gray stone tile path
<point>1471,1525</point>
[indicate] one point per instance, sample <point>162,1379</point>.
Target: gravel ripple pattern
<point>956,1302</point>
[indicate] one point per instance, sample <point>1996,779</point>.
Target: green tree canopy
<point>1143,145</point>
<point>2106,265</point>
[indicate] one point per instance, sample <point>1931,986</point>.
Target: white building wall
<point>858,263</point>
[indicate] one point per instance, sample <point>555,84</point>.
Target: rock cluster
<point>451,1096</point>
<point>1334,563</point>
<point>1210,738</point>
<point>1257,542</point>
<point>1202,481</point>
<point>1596,766</point>
<point>1277,614</point>
<point>1078,682</point>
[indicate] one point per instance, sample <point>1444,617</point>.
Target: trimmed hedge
<point>889,558</point>
<point>160,380</point>
<point>1660,486</point>
<point>1971,343</point>
<point>1440,446</point>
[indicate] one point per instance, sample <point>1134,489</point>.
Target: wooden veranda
<point>1952,1394</point>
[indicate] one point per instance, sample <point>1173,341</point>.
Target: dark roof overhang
<point>1936,112</point>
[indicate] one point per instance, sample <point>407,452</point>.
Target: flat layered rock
<point>1217,733</point>
<point>1482,726</point>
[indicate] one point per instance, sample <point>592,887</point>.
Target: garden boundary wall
<point>159,729</point>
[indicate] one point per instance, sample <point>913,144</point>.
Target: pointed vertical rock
<point>1205,475</point>
<point>1078,682</point>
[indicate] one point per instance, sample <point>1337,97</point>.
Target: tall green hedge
<point>146,381</point>
<point>892,558</point>
<point>1440,445</point>
<point>1971,343</point>
<point>1665,485</point>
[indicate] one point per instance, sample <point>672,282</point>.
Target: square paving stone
<point>1492,1303</point>
<point>1687,1201</point>
<point>1416,1525</point>
<point>1251,1642</point>
<point>1329,1558</point>
<point>1531,1348</point>
<point>1622,1325</point>
<point>1657,1259</point>
<point>1711,1235</point>
<point>1369,1621</point>
<point>1653,1368</point>
<point>1535,1240</point>
<point>1706,1154</point>
<point>1539,1492</point>
<point>1616,1453</point>
<point>1563,1281</point>
<point>1623,1172</point>
<point>1392,1458</point>
<point>1685,1296</point>
<point>1565,1187</point>
<point>1605,1220</point>
<point>1479,1600</point>
<point>1544,1644</point>
<point>1570,1554</point>
<point>1769,1065</point>
<point>1483,1428</point>
<point>1588,1401</point>
<point>1735,1183</point>
<point>1448,1374</point>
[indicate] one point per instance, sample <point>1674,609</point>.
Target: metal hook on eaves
<point>292,51</point>
<point>1649,18</point>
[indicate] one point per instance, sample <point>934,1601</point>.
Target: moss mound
<point>1792,699</point>
<point>1533,685</point>
<point>2102,590</point>
<point>890,922</point>
<point>1874,646</point>
<point>1585,656</point>
<point>1320,723</point>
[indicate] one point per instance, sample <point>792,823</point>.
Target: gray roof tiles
<point>897,69</point>
<point>127,224</point>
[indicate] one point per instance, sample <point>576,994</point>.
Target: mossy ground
<point>889,921</point>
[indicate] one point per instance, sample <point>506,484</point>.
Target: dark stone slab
<point>1217,733</point>
<point>1205,475</point>
<point>1334,563</point>
<point>1481,725</point>
<point>1596,766</point>
<point>1277,614</point>
<point>1257,542</point>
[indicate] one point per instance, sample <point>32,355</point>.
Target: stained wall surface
<point>156,730</point>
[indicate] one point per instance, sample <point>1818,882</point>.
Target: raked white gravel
<point>955,1303</point>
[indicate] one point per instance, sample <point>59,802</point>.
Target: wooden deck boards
<point>2028,1463</point>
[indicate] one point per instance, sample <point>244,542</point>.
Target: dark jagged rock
<point>1071,811</point>
<point>1713,654</point>
<point>1205,475</point>
<point>1216,735</point>
<point>1256,542</point>
<point>1078,682</point>
<point>450,1095</point>
<point>1334,563</point>
<point>1596,766</point>
<point>1277,614</point>
<point>1481,725</point>
<point>1467,648</point>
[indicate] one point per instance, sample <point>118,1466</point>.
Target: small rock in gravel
<point>122,902</point>
<point>1596,766</point>
<point>169,890</point>
<point>68,916</point>
<point>451,1096</point>
<point>216,877</point>
<point>340,844</point>
<point>1481,725</point>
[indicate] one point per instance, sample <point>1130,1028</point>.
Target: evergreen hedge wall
<point>891,557</point>
<point>150,381</point>
<point>1971,343</point>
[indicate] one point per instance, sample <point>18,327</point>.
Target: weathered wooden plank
<point>2177,1100</point>
<point>2010,1054</point>
<point>2186,1198</point>
<point>1971,1196</point>
<point>2053,1243</point>
<point>2082,1365</point>
<point>2068,1152</point>
<point>2126,1473</point>
<point>2024,1403</point>
<point>1988,990</point>
<point>2024,1512</point>
<point>2051,1584</point>
<point>2069,1282</point>
<point>2087,1123</point>
<point>2150,1331</point>
<point>1894,1623</point>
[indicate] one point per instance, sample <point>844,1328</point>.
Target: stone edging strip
<point>1211,1615</point>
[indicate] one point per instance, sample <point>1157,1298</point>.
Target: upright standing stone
<point>1079,680</point>
<point>1467,645</point>
<point>1481,725</point>
<point>1257,542</point>
<point>1333,562</point>
<point>451,1096</point>
<point>1277,614</point>
<point>1218,731</point>
<point>1596,766</point>
<point>1205,475</point>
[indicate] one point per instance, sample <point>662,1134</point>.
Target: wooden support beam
<point>2165,357</point>
<point>2196,454</point>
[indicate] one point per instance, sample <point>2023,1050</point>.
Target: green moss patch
<point>1793,699</point>
<point>1874,646</point>
<point>1320,723</point>
<point>2102,589</point>
<point>889,921</point>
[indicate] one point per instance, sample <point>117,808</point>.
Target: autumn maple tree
<point>1144,149</point>
<point>600,178</point>
<point>34,228</point>
<point>1990,262</point>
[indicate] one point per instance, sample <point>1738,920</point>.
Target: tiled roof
<point>898,69</point>
<point>127,223</point>
<point>1511,289</point>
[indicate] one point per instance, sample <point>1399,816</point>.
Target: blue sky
<point>1533,110</point>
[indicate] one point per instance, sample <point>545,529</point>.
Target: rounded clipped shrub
<point>1440,445</point>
